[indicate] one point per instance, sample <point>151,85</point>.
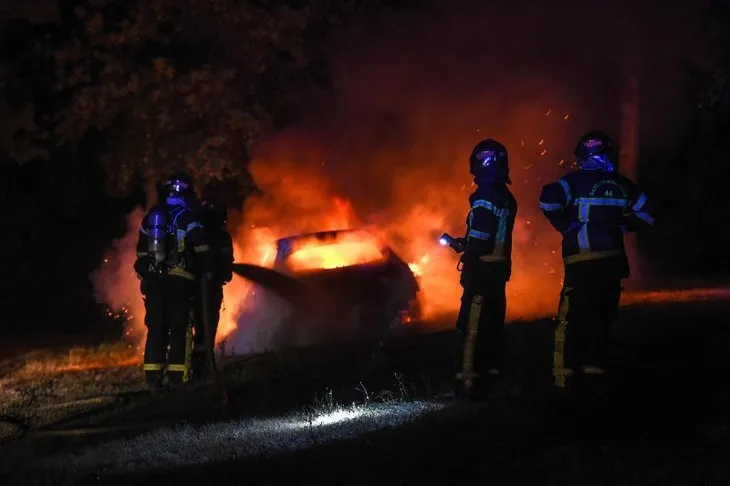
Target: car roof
<point>284,245</point>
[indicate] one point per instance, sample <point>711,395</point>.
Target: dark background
<point>64,195</point>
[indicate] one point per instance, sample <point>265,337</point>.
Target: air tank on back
<point>157,234</point>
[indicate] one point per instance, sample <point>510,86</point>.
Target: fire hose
<point>209,342</point>
<point>23,429</point>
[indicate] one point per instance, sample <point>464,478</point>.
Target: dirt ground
<point>662,419</point>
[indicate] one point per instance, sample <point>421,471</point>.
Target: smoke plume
<point>414,91</point>
<point>116,284</point>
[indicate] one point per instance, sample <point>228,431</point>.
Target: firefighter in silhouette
<point>171,250</point>
<point>486,266</point>
<point>214,218</point>
<point>591,207</point>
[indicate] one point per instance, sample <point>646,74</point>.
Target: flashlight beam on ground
<point>196,445</point>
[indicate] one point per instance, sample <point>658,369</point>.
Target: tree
<point>167,84</point>
<point>18,129</point>
<point>176,84</point>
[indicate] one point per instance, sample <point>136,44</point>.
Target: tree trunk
<point>629,142</point>
<point>629,156</point>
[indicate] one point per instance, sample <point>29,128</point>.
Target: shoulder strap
<point>176,213</point>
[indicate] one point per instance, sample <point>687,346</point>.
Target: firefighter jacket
<point>592,210</point>
<point>490,223</point>
<point>188,248</point>
<point>221,246</point>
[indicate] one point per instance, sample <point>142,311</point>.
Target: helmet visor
<point>177,185</point>
<point>592,143</point>
<point>486,157</point>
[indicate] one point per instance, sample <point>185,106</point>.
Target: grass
<point>103,356</point>
<point>324,421</point>
<point>663,419</point>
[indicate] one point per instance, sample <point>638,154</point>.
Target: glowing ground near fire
<point>126,354</point>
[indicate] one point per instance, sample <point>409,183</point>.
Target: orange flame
<point>346,250</point>
<point>410,201</point>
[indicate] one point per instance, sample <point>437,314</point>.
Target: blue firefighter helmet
<point>179,188</point>
<point>595,151</point>
<point>489,161</point>
<point>157,222</point>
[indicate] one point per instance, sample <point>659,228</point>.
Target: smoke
<point>116,284</point>
<point>412,93</point>
<point>415,91</point>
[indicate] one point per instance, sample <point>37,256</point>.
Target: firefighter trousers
<point>215,301</point>
<point>586,313</point>
<point>168,303</point>
<point>480,336</point>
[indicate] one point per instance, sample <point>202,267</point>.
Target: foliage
<point>178,81</point>
<point>136,89</point>
<point>167,84</point>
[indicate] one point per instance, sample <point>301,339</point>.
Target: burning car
<point>356,287</point>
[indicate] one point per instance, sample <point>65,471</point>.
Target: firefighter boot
<point>486,386</point>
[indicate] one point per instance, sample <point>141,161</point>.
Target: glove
<point>142,266</point>
<point>467,273</point>
<point>459,245</point>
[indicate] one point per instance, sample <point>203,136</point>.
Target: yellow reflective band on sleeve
<point>483,203</point>
<point>551,206</point>
<point>177,368</point>
<point>479,235</point>
<point>152,366</point>
<point>201,248</point>
<point>639,203</point>
<point>192,226</point>
<point>179,272</point>
<point>590,255</point>
<point>492,258</point>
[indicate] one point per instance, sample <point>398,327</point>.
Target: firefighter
<point>171,250</point>
<point>214,218</point>
<point>486,266</point>
<point>591,207</point>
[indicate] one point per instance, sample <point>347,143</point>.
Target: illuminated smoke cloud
<point>116,284</point>
<point>412,95</point>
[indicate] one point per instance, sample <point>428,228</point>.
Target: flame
<point>406,206</point>
<point>300,195</point>
<point>298,199</point>
<point>345,251</point>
